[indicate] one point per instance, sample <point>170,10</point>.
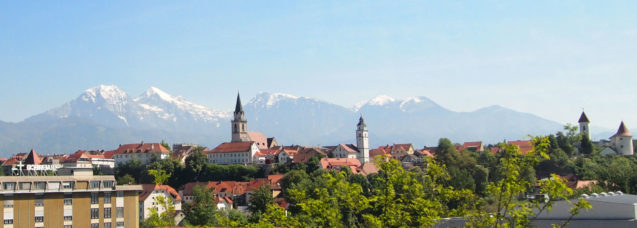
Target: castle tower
<point>362,141</point>
<point>622,141</point>
<point>583,125</point>
<point>239,124</point>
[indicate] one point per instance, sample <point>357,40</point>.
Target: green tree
<point>201,211</point>
<point>586,145</point>
<point>164,219</point>
<point>126,179</point>
<point>261,199</point>
<point>196,163</point>
<point>510,212</point>
<point>159,176</point>
<point>165,145</point>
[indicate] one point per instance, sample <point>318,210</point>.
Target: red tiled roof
<point>424,152</point>
<point>141,148</point>
<point>368,168</point>
<point>2,160</point>
<point>147,189</point>
<point>109,154</point>
<point>494,149</point>
<point>259,139</point>
<point>76,156</point>
<point>229,147</point>
<point>229,187</point>
<point>305,154</point>
<point>524,145</point>
<point>328,163</point>
<point>375,152</point>
<point>32,158</point>
<point>402,146</point>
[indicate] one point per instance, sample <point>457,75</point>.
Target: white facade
<point>343,151</point>
<point>149,203</point>
<point>234,157</point>
<point>284,157</point>
<point>622,141</point>
<point>144,158</point>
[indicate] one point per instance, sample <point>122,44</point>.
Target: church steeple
<point>239,123</point>
<point>584,125</point>
<point>362,141</point>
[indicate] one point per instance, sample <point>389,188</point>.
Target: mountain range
<point>105,116</point>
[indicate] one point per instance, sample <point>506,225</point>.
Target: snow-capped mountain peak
<point>379,100</point>
<point>270,99</point>
<point>111,94</point>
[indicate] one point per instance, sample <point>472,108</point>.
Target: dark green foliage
<point>201,211</point>
<point>260,200</point>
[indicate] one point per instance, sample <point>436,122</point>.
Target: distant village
<point>250,148</point>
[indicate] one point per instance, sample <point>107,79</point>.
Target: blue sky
<point>550,58</point>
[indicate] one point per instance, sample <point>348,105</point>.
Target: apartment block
<point>74,198</point>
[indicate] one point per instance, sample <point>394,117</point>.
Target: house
<point>524,145</point>
<point>268,156</point>
<point>287,154</point>
<point>143,152</point>
<point>473,146</point>
<point>345,151</point>
<point>338,163</point>
<point>95,159</point>
<point>148,196</point>
<point>183,151</point>
<point>304,155</point>
<point>233,153</point>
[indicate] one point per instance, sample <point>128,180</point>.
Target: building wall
<point>23,211</point>
<point>82,209</point>
<point>53,216</point>
<point>131,210</point>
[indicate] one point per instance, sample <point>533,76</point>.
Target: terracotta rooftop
<point>524,145</point>
<point>260,139</point>
<point>147,189</point>
<point>141,148</point>
<point>329,163</point>
<point>230,147</point>
<point>33,158</point>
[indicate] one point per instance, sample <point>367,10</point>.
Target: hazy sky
<point>548,58</point>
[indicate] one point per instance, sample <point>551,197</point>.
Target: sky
<point>549,58</point>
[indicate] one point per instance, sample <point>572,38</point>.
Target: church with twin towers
<point>621,143</point>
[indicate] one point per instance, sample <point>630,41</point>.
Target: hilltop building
<point>359,151</point>
<point>621,142</point>
<point>143,152</point>
<point>583,125</point>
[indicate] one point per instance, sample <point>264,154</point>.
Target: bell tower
<point>583,125</point>
<point>239,124</point>
<point>362,141</point>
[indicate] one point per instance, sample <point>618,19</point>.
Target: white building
<point>147,200</point>
<point>345,151</point>
<point>359,151</point>
<point>622,141</point>
<point>233,153</point>
<point>583,125</point>
<point>143,152</point>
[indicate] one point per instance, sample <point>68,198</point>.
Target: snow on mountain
<point>165,106</point>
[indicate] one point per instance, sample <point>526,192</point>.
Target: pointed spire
<point>583,118</point>
<point>238,108</point>
<point>623,130</point>
<point>361,121</point>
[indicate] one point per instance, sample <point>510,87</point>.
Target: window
<point>8,221</point>
<point>95,213</point>
<point>68,226</point>
<point>8,186</point>
<point>39,185</point>
<point>68,184</point>
<point>25,185</point>
<point>94,198</point>
<point>120,212</point>
<point>120,194</point>
<point>107,197</point>
<point>8,202</point>
<point>39,200</point>
<point>68,201</point>
<point>39,218</point>
<point>107,212</point>
<point>107,225</point>
<point>95,184</point>
<point>120,224</point>
<point>68,218</point>
<point>95,225</point>
<point>108,184</point>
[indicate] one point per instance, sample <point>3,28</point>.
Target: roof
<point>229,147</point>
<point>369,168</point>
<point>424,152</point>
<point>75,156</point>
<point>328,163</point>
<point>583,118</point>
<point>375,152</point>
<point>260,139</point>
<point>350,148</point>
<point>476,144</point>
<point>304,155</point>
<point>228,187</point>
<point>33,158</point>
<point>623,131</point>
<point>238,107</point>
<point>524,145</point>
<point>141,148</point>
<point>147,189</point>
